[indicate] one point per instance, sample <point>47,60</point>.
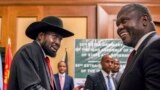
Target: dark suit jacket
<point>68,84</point>
<point>95,81</point>
<point>118,76</point>
<point>28,69</point>
<point>143,72</point>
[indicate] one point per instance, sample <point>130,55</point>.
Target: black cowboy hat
<point>50,23</point>
<point>156,22</point>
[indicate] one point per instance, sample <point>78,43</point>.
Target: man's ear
<point>144,20</point>
<point>40,36</point>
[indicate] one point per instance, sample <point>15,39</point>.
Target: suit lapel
<point>114,82</point>
<point>135,58</point>
<point>102,80</point>
<point>65,81</point>
<point>56,81</point>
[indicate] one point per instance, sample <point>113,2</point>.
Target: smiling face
<point>133,22</point>
<point>130,28</point>
<point>50,42</point>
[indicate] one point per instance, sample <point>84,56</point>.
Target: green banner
<point>88,53</point>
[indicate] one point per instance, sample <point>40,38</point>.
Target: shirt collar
<point>104,73</point>
<point>142,39</point>
<point>61,74</point>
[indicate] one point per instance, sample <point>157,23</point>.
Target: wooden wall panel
<point>157,27</point>
<point>21,26</point>
<point>88,12</point>
<point>39,11</point>
<point>72,2</point>
<point>20,11</point>
<point>107,17</point>
<point>4,26</point>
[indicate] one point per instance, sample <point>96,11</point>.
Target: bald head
<point>139,9</point>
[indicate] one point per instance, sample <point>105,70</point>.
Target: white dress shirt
<point>106,79</point>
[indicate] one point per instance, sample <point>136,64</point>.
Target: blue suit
<point>68,84</point>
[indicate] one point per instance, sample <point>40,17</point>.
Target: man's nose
<point>58,42</point>
<point>110,63</point>
<point>120,26</point>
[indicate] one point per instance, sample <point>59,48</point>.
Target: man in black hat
<point>30,69</point>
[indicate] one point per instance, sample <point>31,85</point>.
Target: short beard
<point>130,44</point>
<point>47,50</point>
<point>135,37</point>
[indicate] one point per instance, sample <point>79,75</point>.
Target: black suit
<point>95,81</point>
<point>28,69</point>
<point>117,76</point>
<point>143,72</point>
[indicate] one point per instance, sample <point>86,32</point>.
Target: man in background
<point>30,69</point>
<point>115,71</point>
<point>137,30</point>
<point>63,81</point>
<point>101,80</point>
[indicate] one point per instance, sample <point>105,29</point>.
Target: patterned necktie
<point>61,82</point>
<point>109,83</point>
<point>131,56</point>
<point>50,73</point>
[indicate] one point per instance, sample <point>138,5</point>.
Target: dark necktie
<point>109,83</point>
<point>50,73</point>
<point>131,56</point>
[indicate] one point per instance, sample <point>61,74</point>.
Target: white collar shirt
<point>142,39</point>
<point>106,79</point>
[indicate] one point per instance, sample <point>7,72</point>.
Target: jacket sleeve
<point>89,83</point>
<point>151,67</point>
<point>72,83</point>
